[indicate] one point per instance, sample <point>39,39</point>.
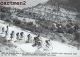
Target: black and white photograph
<point>40,28</point>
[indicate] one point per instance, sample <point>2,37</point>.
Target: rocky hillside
<point>41,18</point>
<point>67,3</point>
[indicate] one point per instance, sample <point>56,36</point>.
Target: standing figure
<point>6,33</point>
<point>47,43</point>
<point>12,35</point>
<point>21,35</point>
<point>17,35</point>
<point>7,28</point>
<point>28,37</point>
<point>37,41</point>
<point>2,29</point>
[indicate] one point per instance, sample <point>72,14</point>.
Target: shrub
<point>17,22</point>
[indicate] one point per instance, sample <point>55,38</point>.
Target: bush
<point>17,22</point>
<point>30,24</point>
<point>7,20</point>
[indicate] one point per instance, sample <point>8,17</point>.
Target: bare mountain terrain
<point>68,3</point>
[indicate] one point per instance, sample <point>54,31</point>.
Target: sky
<point>29,3</point>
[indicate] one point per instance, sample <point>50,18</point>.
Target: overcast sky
<point>29,3</point>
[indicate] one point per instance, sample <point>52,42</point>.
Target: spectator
<point>17,35</point>
<point>12,35</point>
